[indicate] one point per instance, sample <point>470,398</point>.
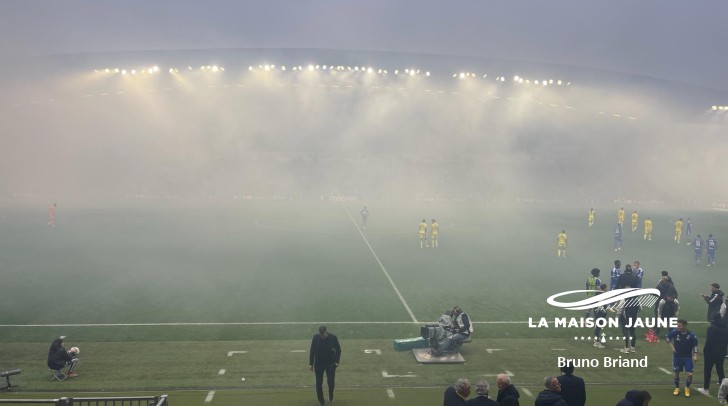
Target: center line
<point>414,319</point>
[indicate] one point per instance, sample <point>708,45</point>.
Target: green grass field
<point>158,294</point>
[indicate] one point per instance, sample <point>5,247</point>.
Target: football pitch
<point>167,296</point>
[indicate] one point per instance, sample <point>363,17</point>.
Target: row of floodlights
<point>155,69</point>
<point>408,71</point>
<point>340,68</point>
<point>719,108</point>
<point>516,79</point>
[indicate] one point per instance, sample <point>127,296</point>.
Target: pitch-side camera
<point>7,375</point>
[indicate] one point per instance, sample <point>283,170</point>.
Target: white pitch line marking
<point>378,352</point>
<point>230,353</point>
<point>492,350</point>
<point>209,397</point>
<point>509,373</point>
<point>665,370</point>
<point>298,350</point>
<point>558,349</point>
<point>386,375</point>
<point>361,233</point>
<point>222,372</point>
<point>390,393</point>
<point>267,323</point>
<point>527,392</point>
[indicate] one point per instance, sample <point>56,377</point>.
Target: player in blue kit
<point>698,249</point>
<point>684,345</point>
<point>614,276</point>
<point>618,237</point>
<point>710,246</point>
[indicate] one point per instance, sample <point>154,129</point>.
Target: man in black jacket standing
<point>714,351</point>
<point>324,357</point>
<point>573,389</point>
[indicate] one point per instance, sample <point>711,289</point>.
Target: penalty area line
<point>401,298</point>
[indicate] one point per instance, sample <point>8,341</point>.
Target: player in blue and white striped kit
<point>698,248</point>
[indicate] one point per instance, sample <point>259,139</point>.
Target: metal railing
<point>161,400</point>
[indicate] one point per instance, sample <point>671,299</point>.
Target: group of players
<point>434,233</point>
<point>709,245</point>
<point>424,241</point>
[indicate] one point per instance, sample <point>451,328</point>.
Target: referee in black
<point>324,357</point>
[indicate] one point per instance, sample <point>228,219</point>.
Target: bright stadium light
<point>155,68</point>
<point>310,67</point>
<point>412,73</point>
<point>558,83</point>
<point>427,73</point>
<point>715,108</point>
<point>461,75</point>
<point>396,71</point>
<point>123,71</point>
<point>283,68</point>
<point>107,70</point>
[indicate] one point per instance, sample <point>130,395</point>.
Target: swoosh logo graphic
<point>606,298</point>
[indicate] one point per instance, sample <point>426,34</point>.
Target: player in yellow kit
<point>434,232</point>
<point>635,219</point>
<point>561,241</point>
<point>648,229</point>
<point>620,216</point>
<point>423,233</point>
<point>678,230</point>
<point>590,217</point>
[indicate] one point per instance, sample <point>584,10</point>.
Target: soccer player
<point>688,229</point>
<point>638,272</point>
<point>710,246</point>
<point>423,233</point>
<point>635,219</point>
<point>52,215</point>
<point>683,343</point>
<point>678,230</point>
<point>648,229</point>
<point>614,276</point>
<point>620,216</point>
<point>618,237</point>
<point>698,249</point>
<point>590,217</point>
<point>592,283</point>
<point>434,232</point>
<point>364,216</point>
<point>561,241</point>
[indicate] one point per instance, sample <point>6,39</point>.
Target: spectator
<point>635,398</point>
<point>457,395</point>
<point>481,398</point>
<point>505,388</point>
<point>573,389</point>
<point>550,396</point>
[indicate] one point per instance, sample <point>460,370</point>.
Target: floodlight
<point>283,67</point>
<point>558,83</point>
<point>715,108</point>
<point>412,73</point>
<point>156,68</point>
<point>462,75</point>
<point>427,73</point>
<point>310,67</point>
<point>107,70</point>
<point>396,71</point>
<point>123,71</point>
<point>266,67</point>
